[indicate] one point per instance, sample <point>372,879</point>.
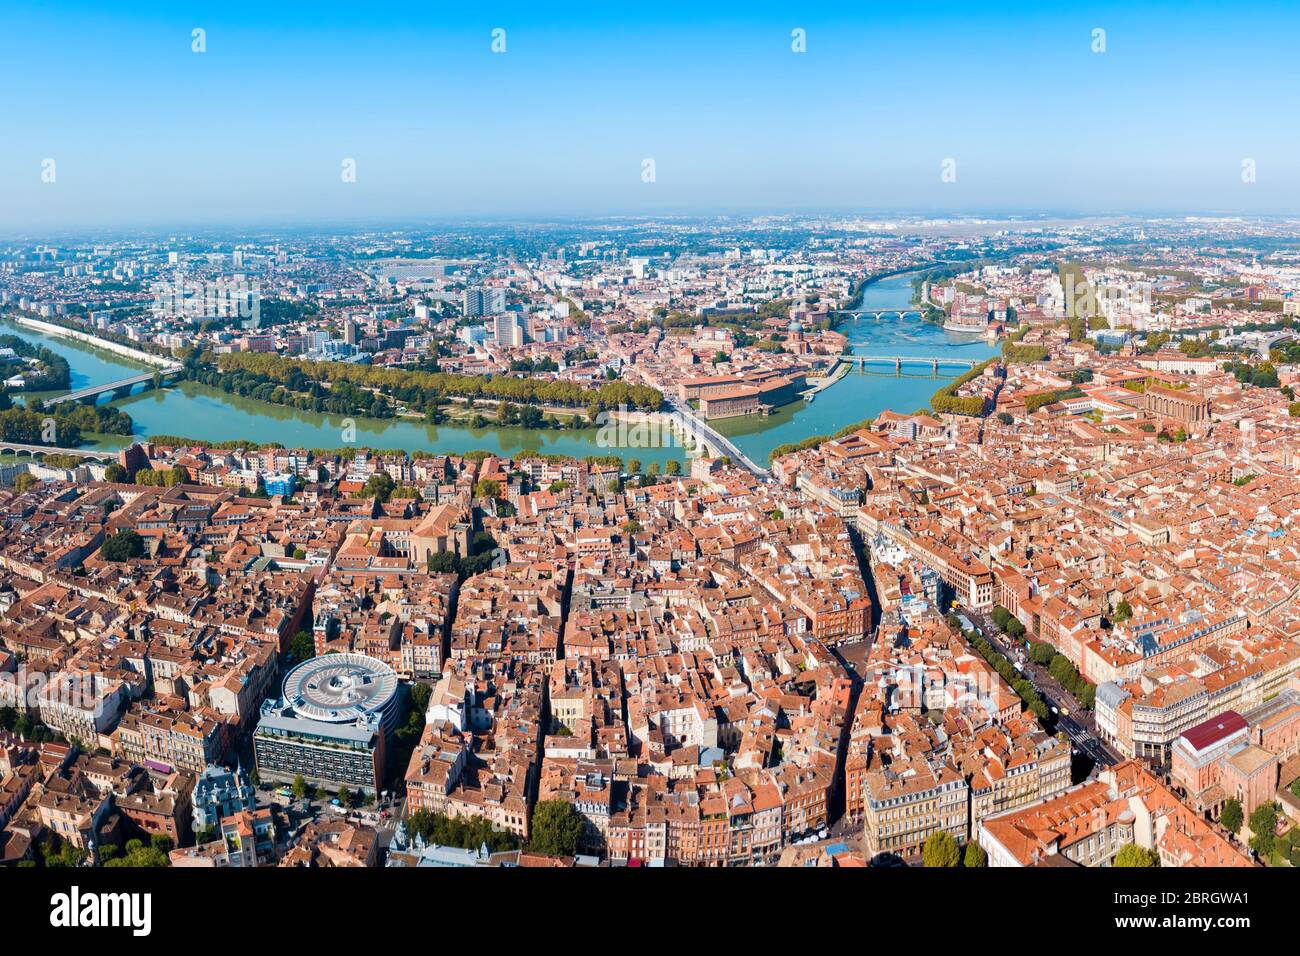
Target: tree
<point>25,482</point>
<point>138,855</point>
<point>302,647</point>
<point>1262,824</point>
<point>468,833</point>
<point>975,857</point>
<point>1231,815</point>
<point>1041,653</point>
<point>116,474</point>
<point>300,788</point>
<point>486,488</point>
<point>345,796</point>
<point>379,485</point>
<point>442,562</point>
<point>122,546</point>
<point>557,827</point>
<point>1130,854</point>
<point>1122,611</point>
<point>940,850</point>
<point>60,853</point>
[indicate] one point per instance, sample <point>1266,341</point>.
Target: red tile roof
<point>1210,732</point>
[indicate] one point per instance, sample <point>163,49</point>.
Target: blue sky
<point>254,131</point>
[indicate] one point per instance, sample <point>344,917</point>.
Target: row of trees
<point>1007,623</point>
<point>1041,399</point>
<point>1063,672</point>
<point>815,440</point>
<point>1023,687</point>
<point>467,833</point>
<point>63,424</point>
<point>298,391</point>
<point>420,389</point>
<point>947,401</point>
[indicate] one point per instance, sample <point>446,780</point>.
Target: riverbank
<point>854,302</point>
<point>841,369</point>
<point>60,331</point>
<point>220,418</point>
<point>855,395</point>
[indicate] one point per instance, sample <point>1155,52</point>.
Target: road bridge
<point>703,432</point>
<point>935,362</point>
<point>123,386</point>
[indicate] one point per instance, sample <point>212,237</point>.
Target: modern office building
<point>331,723</point>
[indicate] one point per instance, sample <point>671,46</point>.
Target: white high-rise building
<point>510,330</point>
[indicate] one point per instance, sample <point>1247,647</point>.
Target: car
<point>1055,711</point>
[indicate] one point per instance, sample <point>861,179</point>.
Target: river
<point>857,396</point>
<point>192,410</point>
<point>198,411</point>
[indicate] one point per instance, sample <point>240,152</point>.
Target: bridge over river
<point>123,386</point>
<point>934,362</point>
<point>18,448</point>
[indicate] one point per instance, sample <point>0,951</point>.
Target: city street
<point>1069,715</point>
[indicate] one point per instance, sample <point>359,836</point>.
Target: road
<point>1080,724</point>
<point>124,383</point>
<point>708,434</point>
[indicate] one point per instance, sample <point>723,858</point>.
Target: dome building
<point>330,724</point>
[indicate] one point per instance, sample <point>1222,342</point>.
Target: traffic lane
<point>1054,695</point>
